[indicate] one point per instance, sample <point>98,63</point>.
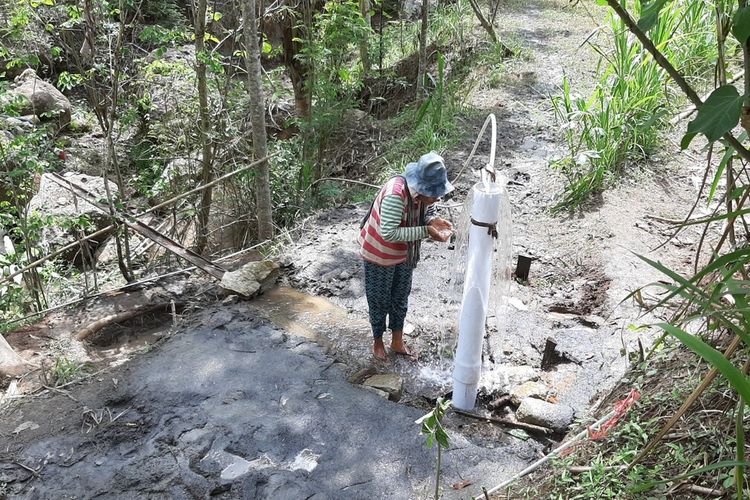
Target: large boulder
<point>40,98</point>
<point>252,278</point>
<point>11,364</point>
<point>167,83</point>
<point>55,202</point>
<point>84,155</point>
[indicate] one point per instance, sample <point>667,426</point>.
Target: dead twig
<point>35,472</point>
<point>97,325</point>
<point>510,423</point>
<point>61,391</point>
<point>702,490</point>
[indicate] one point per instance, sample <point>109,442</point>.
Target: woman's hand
<point>440,229</point>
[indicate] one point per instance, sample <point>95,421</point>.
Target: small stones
<point>26,426</point>
<point>306,460</point>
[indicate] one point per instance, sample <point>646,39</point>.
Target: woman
<point>401,215</point>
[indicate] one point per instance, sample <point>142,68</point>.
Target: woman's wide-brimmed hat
<point>428,176</point>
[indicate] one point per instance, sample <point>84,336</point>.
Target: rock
<point>517,375</point>
<point>168,81</point>
<point>538,412</point>
<point>41,98</point>
<point>306,460</point>
<point>252,278</point>
<point>230,299</point>
<point>11,364</point>
<point>361,375</point>
<point>391,383</point>
<point>518,304</point>
<point>107,253</point>
<point>176,175</point>
<point>26,426</point>
<point>85,155</point>
<point>528,390</point>
<point>53,200</point>
<point>380,393</point>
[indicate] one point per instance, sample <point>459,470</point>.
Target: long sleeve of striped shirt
<point>391,212</point>
<point>430,214</point>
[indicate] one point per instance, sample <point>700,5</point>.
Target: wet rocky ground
<point>263,398</point>
<point>230,406</point>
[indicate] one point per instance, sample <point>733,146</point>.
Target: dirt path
<point>585,262</point>
<point>235,407</point>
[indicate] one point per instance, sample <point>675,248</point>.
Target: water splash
<point>498,307</point>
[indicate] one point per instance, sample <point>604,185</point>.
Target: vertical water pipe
<point>471,323</point>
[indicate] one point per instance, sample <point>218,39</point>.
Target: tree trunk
<point>487,25</point>
<point>364,53</point>
<point>204,210</point>
<point>298,71</point>
<point>257,119</point>
<point>422,68</point>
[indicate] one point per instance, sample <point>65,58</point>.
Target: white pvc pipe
<point>468,361</point>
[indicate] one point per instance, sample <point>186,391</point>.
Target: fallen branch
<point>548,457</point>
<point>501,401</point>
<point>341,179</point>
<point>97,325</point>
<point>129,285</point>
<point>144,229</point>
<point>207,185</point>
<point>510,423</point>
<point>56,253</point>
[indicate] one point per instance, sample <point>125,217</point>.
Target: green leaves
<point>432,425</point>
<point>718,115</point>
<point>650,14</point>
<point>741,25</point>
<point>715,359</point>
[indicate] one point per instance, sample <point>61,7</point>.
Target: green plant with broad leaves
<point>432,427</point>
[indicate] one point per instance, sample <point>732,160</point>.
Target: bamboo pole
<point>205,186</point>
<point>54,254</point>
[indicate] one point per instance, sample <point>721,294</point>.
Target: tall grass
<point>620,123</point>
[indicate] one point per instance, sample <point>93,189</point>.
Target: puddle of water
<point>307,316</point>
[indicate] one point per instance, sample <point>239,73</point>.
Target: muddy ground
<point>252,399</point>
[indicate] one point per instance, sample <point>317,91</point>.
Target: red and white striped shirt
<point>387,233</point>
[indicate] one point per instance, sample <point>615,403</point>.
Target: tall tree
<point>257,118</point>
<point>201,55</point>
<point>422,68</point>
<point>364,52</point>
<point>293,34</point>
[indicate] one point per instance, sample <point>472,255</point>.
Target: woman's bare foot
<point>378,350</point>
<point>398,346</point>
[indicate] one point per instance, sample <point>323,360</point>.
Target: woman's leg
<point>400,290</point>
<point>378,284</point>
